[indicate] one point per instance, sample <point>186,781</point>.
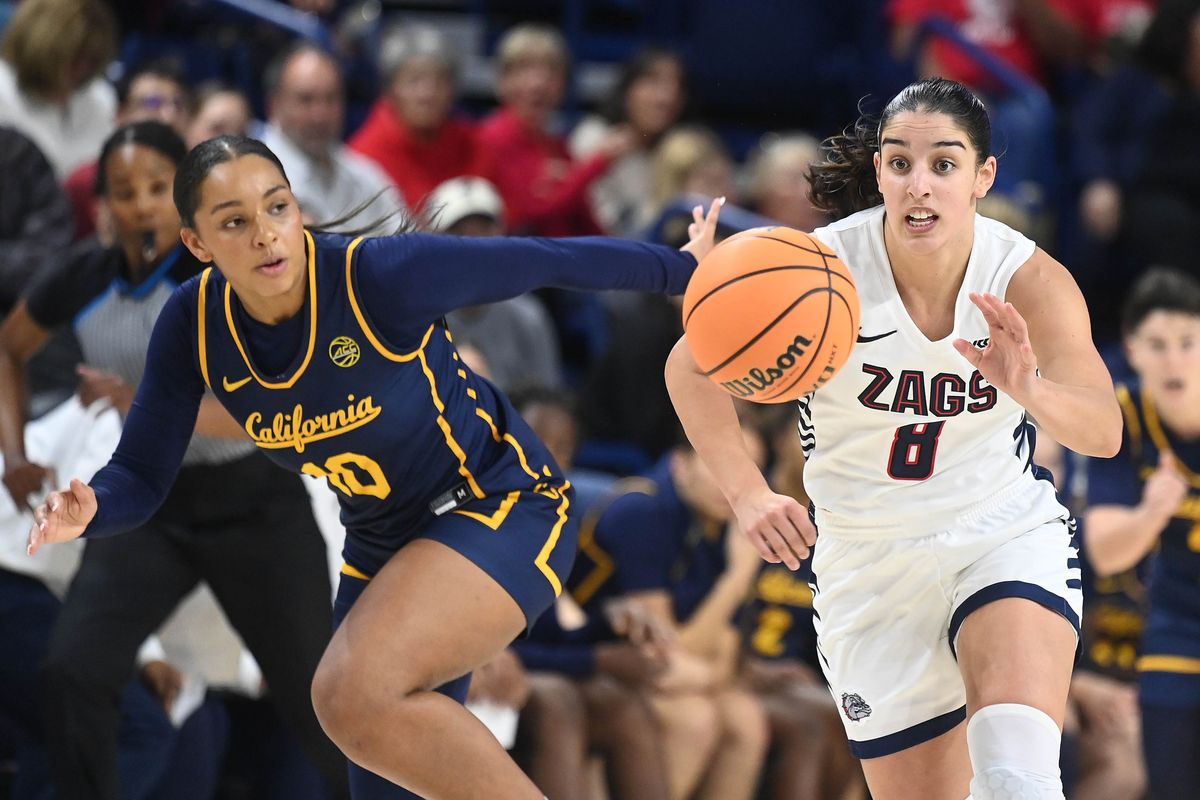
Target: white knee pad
<point>1014,753</point>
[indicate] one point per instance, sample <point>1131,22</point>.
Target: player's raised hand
<point>702,231</point>
<point>777,526</point>
<point>1008,362</point>
<point>1165,489</point>
<point>62,516</point>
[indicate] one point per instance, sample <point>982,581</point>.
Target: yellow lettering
<point>773,623</point>
<point>296,430</point>
<point>781,588</point>
<point>338,470</point>
<point>251,422</point>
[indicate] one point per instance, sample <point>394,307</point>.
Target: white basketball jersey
<point>908,434</point>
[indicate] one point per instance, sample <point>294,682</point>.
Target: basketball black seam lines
<point>763,271</point>
<point>816,251</point>
<point>766,328</point>
<point>816,350</point>
<point>824,331</point>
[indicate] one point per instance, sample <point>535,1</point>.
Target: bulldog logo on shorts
<point>854,707</point>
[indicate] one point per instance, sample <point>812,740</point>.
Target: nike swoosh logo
<point>233,386</point>
<point>877,337</point>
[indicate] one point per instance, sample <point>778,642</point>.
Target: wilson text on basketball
<point>760,378</point>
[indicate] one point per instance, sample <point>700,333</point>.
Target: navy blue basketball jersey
<point>645,538</point>
<point>778,619</point>
<point>1116,615</point>
<point>1176,580</point>
<point>1113,624</point>
<point>401,433</point>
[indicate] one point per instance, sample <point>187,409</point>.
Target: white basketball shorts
<point>888,611</point>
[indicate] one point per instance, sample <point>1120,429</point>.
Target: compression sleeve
<point>410,280</point>
<point>131,487</point>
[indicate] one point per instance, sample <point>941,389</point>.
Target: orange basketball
<point>771,314</point>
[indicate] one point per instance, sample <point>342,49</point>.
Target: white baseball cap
<point>459,198</point>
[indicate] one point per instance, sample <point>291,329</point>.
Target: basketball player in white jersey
<point>947,587</point>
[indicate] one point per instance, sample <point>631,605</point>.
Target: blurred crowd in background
<point>523,117</point>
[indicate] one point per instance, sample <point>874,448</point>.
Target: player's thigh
<point>691,719</point>
<point>1016,651</point>
<point>743,718</point>
<point>429,616</point>
<point>936,769</point>
<point>525,541</point>
<point>460,592</point>
<point>1016,621</point>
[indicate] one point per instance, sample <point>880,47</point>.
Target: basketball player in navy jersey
<point>1145,504</point>
<point>332,355</point>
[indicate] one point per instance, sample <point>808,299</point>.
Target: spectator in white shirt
<point>306,112</point>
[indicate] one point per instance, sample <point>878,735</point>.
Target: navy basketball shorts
<point>524,540</point>
<point>888,612</point>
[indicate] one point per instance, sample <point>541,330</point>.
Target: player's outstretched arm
<point>776,524</point>
<point>62,516</point>
<point>406,282</point>
<point>1041,354</point>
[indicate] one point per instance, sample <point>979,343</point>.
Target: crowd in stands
<point>676,664</point>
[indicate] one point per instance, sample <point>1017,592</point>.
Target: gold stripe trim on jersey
<point>543,558</point>
<point>497,517</point>
<point>353,572</point>
<point>512,441</point>
<point>1159,437</point>
<point>604,564</point>
<point>312,323</point>
<point>202,325</point>
<point>367,330</point>
<point>442,423</point>
<point>1177,664</point>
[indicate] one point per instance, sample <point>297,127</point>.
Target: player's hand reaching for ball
<point>1008,361</point>
<point>777,526</point>
<point>702,231</point>
<point>62,516</point>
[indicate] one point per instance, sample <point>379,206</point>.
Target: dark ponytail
<point>206,155</point>
<point>844,182</point>
<point>160,138</point>
<point>201,160</point>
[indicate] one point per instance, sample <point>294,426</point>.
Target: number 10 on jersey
<point>914,451</point>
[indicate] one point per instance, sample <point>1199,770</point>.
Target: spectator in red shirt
<point>410,132</point>
<point>545,192</point>
<point>1030,35</point>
